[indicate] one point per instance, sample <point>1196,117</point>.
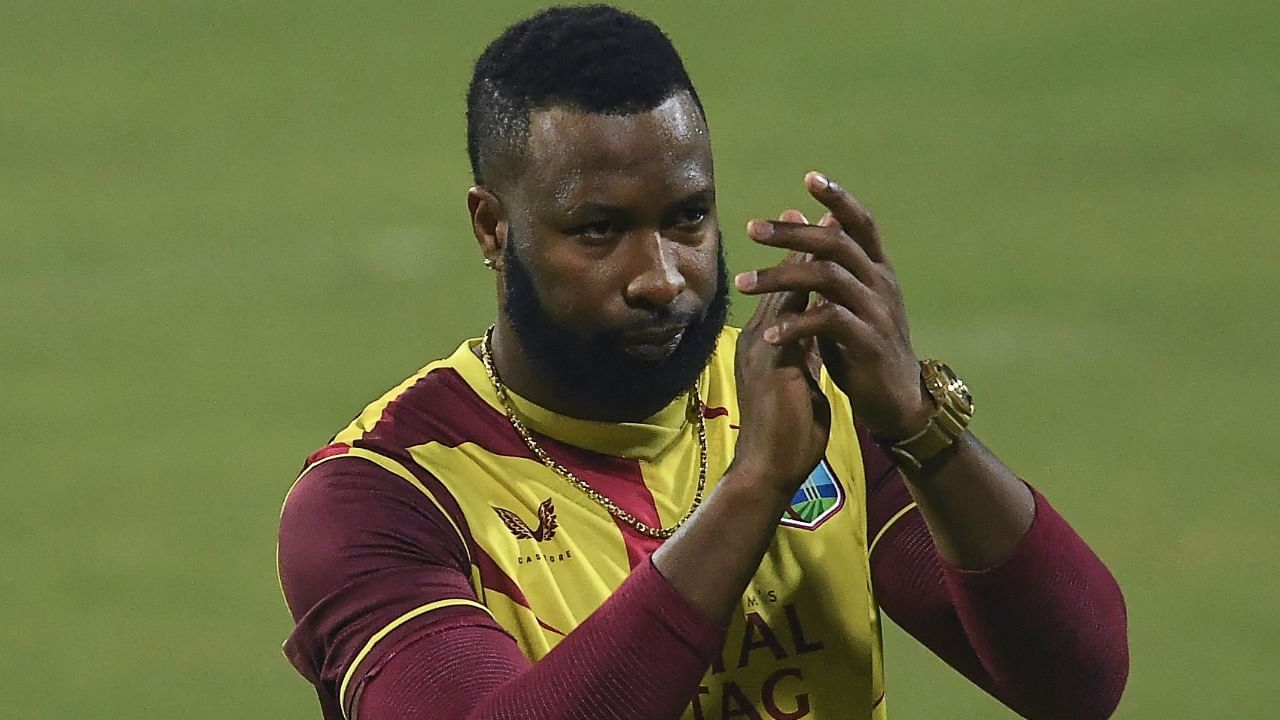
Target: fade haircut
<point>593,58</point>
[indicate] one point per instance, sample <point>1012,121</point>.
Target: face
<point>615,278</point>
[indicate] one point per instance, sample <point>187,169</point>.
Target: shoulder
<point>347,517</point>
<point>360,552</point>
<point>420,408</point>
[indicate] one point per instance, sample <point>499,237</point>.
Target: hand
<point>785,418</point>
<point>858,316</point>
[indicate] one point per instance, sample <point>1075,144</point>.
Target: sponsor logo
<point>547,524</point>
<point>776,640</point>
<point>820,497</point>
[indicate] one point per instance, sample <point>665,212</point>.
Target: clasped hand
<point>835,295</point>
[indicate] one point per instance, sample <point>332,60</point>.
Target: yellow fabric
<point>806,642</point>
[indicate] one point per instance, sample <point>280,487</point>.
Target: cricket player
<point>609,505</point>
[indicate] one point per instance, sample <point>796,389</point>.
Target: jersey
<point>541,555</point>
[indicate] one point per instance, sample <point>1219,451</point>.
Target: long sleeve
<point>1045,631</point>
<point>357,554</point>
<point>640,655</point>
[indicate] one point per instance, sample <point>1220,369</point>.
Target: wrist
<point>753,483</point>
<point>913,418</point>
<point>952,408</point>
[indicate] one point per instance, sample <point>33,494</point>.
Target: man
<point>611,506</point>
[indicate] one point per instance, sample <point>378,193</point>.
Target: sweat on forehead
<point>666,145</point>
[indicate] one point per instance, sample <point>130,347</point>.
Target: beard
<point>597,368</point>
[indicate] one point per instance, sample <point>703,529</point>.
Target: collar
<point>644,440</point>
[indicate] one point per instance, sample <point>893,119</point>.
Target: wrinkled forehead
<point>663,150</point>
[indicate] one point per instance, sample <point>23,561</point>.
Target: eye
<point>596,231</point>
<point>691,216</point>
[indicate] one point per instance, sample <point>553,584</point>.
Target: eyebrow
<point>705,195</point>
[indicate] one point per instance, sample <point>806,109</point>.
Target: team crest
<point>546,523</point>
<point>820,497</point>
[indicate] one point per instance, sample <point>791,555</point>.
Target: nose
<point>658,282</point>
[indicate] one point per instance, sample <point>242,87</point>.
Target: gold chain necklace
<point>694,414</point>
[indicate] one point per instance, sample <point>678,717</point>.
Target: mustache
<point>660,320</point>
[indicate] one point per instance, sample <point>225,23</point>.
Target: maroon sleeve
<point>640,656</point>
<point>357,551</point>
<point>358,548</point>
<point>1045,631</point>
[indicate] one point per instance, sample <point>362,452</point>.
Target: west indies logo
<point>546,523</point>
<point>820,497</point>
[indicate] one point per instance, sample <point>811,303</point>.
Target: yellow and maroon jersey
<point>541,556</point>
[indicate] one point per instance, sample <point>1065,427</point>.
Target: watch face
<point>947,388</point>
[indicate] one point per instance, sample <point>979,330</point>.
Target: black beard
<point>596,368</point>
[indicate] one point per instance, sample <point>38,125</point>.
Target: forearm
<point>712,558</point>
<point>977,510</point>
<point>1044,630</point>
<point>1049,623</point>
<point>640,655</point>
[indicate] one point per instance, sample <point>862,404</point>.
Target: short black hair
<point>593,58</point>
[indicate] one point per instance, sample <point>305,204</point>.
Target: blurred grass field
<point>226,226</point>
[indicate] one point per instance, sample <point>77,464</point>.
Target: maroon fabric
<point>1049,624</point>
<point>628,490</point>
<point>640,655</point>
<point>1045,632</point>
<point>886,492</point>
<point>358,548</point>
<point>440,407</point>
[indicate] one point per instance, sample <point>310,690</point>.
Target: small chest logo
<point>546,523</point>
<point>820,497</point>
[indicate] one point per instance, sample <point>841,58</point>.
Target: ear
<point>489,224</point>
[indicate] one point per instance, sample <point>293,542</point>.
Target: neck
<point>519,374</point>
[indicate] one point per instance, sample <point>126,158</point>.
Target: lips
<point>654,335</point>
<point>654,343</point>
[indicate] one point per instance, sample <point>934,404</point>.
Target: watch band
<point>939,434</point>
<point>954,409</point>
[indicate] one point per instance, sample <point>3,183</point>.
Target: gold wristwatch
<point>950,418</point>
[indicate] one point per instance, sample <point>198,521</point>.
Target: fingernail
<point>745,280</point>
<point>760,229</point>
<point>821,181</point>
<point>771,335</point>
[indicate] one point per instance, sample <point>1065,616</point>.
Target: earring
<point>489,263</point>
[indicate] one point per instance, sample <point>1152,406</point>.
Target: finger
<point>851,214</point>
<point>793,216</point>
<point>829,280</point>
<point>772,304</point>
<point>825,242</point>
<point>813,358</point>
<point>827,322</point>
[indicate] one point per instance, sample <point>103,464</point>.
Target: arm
<point>1043,630</point>
<point>640,655</point>
<point>976,507</point>
<point>978,514</point>
<point>977,510</point>
<point>360,549</point>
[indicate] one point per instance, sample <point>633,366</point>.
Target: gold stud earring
<point>489,263</point>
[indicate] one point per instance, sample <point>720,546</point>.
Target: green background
<point>224,227</point>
